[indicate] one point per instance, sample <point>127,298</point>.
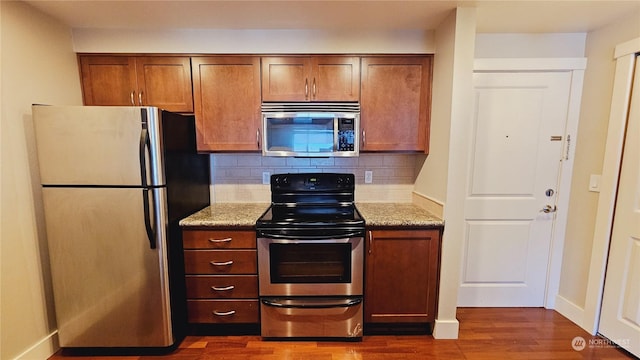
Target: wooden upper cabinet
<point>227,102</point>
<point>165,82</point>
<point>108,80</point>
<point>395,103</point>
<point>311,78</point>
<point>162,81</point>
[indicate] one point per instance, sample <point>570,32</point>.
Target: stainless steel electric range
<point>310,258</point>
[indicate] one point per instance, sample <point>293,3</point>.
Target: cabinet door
<point>286,78</point>
<point>401,276</point>
<point>335,78</point>
<point>395,103</point>
<point>317,78</point>
<point>227,102</point>
<point>108,80</point>
<point>165,82</point>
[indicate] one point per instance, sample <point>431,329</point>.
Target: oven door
<point>311,267</point>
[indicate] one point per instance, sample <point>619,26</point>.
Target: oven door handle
<point>269,235</point>
<point>309,304</point>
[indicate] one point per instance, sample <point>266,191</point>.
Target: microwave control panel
<point>346,134</point>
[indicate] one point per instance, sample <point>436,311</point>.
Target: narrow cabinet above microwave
<point>310,78</point>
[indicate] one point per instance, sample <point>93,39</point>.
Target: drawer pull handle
<point>224,313</point>
<point>220,240</point>
<point>226,288</point>
<point>225,263</point>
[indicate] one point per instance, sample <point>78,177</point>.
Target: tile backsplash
<point>238,177</point>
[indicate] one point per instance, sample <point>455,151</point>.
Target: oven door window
<point>310,263</point>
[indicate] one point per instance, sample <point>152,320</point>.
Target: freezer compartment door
<point>110,287</point>
<point>95,145</point>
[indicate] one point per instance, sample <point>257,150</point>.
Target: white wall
<point>38,66</point>
<point>252,41</point>
<point>431,182</point>
<point>551,45</point>
<point>573,299</point>
<point>460,28</point>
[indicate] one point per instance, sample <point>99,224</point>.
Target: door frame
<point>589,317</point>
<point>576,66</point>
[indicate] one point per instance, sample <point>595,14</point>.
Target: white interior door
<point>519,135</point>
<point>620,316</point>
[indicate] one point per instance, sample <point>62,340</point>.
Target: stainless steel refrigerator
<point>115,183</point>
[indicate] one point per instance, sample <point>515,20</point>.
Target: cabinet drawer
<point>220,262</point>
<point>222,286</point>
<point>218,239</point>
<point>223,311</point>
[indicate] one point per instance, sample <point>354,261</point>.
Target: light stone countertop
<point>397,214</point>
<point>375,214</point>
<point>227,214</point>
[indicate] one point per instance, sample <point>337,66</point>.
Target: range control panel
<point>318,182</point>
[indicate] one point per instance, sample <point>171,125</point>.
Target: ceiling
<point>530,16</point>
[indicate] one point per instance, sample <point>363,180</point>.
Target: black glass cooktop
<point>312,200</point>
<point>325,215</point>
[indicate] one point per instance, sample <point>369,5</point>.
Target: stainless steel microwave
<point>310,129</point>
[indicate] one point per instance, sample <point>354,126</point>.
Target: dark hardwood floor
<point>485,333</point>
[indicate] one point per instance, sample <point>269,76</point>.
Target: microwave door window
<point>300,134</point>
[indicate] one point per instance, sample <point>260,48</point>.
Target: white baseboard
<point>446,329</point>
<point>569,310</point>
<point>43,349</point>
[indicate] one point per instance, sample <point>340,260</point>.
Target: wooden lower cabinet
<point>221,276</point>
<point>223,311</point>
<point>401,276</point>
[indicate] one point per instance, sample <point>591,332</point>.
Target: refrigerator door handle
<point>147,218</point>
<point>144,146</point>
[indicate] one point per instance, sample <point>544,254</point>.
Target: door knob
<point>549,209</point>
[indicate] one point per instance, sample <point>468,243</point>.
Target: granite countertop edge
<point>375,215</point>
